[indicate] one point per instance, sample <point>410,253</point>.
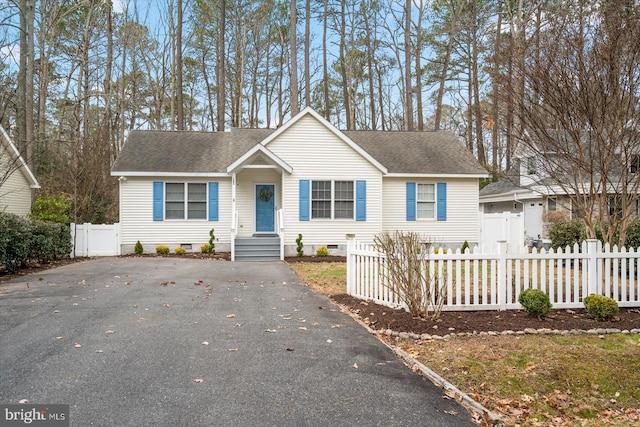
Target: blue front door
<point>265,212</point>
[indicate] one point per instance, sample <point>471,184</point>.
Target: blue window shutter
<point>213,201</point>
<point>304,200</point>
<point>411,201</point>
<point>442,201</point>
<point>361,200</point>
<point>158,200</point>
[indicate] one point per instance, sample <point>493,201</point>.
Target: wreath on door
<point>265,194</point>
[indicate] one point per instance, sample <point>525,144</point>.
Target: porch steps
<point>257,248</point>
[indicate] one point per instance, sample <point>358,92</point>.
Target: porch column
<point>234,223</point>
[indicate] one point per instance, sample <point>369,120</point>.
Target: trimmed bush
<point>206,248</point>
<point>162,250</point>
<point>180,250</point>
<point>299,246</point>
<point>600,307</point>
<point>567,233</point>
<point>535,301</point>
<point>322,251</point>
<point>138,249</point>
<point>464,247</point>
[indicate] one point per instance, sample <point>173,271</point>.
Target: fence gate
<point>501,226</point>
<point>95,240</point>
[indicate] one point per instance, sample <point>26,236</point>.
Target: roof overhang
<point>310,111</point>
<point>437,175</point>
<point>513,196</point>
<point>243,161</point>
<point>171,174</point>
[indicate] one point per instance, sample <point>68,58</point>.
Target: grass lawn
<point>530,380</point>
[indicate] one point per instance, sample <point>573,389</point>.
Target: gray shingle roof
<point>212,152</point>
<point>418,152</point>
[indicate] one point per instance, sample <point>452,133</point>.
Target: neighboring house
<point>16,179</point>
<point>260,188</point>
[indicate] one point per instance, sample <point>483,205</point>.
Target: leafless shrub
<point>409,273</point>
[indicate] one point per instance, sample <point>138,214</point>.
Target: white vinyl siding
<point>136,217</point>
<point>462,211</point>
<point>15,192</point>
<point>322,147</point>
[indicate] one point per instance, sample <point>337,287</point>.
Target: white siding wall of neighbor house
<point>136,218</point>
<point>246,199</point>
<point>15,192</point>
<point>325,157</point>
<point>462,211</point>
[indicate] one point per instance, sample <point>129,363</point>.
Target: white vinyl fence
<point>95,240</point>
<point>494,281</point>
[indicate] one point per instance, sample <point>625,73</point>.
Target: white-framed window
<point>532,165</point>
<point>185,200</point>
<point>426,201</point>
<point>332,199</point>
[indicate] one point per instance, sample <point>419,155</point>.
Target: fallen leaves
<point>231,316</point>
<point>198,380</point>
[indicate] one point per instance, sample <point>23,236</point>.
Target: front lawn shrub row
<point>23,241</point>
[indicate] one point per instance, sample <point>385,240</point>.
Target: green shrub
<point>567,233</point>
<point>23,240</point>
<point>299,251</point>
<point>162,250</point>
<point>600,307</point>
<point>138,249</point>
<point>180,250</point>
<point>535,301</point>
<point>465,246</point>
<point>205,249</point>
<point>632,239</point>
<point>48,207</point>
<point>322,251</point>
<point>212,240</point>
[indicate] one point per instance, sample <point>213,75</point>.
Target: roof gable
<point>341,135</point>
<point>17,159</point>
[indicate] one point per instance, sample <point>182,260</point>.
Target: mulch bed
<point>314,258</point>
<point>380,317</point>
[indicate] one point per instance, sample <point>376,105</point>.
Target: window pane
<point>321,190</point>
<point>426,209</point>
<point>175,192</point>
<point>197,192</point>
<point>344,209</point>
<point>175,210</point>
<point>321,209</point>
<point>426,192</point>
<point>197,210</point>
<point>344,190</point>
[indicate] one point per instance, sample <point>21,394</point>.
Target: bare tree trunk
<point>325,65</point>
<point>307,53</point>
<point>343,66</point>
<point>179,88</point>
<point>370,55</point>
<point>294,58</point>
<point>221,67</point>
<point>495,109</point>
<point>408,96</point>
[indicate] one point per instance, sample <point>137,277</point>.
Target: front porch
<point>257,186</point>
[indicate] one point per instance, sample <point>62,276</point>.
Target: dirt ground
<point>380,317</point>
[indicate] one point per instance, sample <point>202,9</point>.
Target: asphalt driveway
<point>179,342</point>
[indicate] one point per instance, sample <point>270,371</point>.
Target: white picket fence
<point>95,240</point>
<point>494,281</point>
